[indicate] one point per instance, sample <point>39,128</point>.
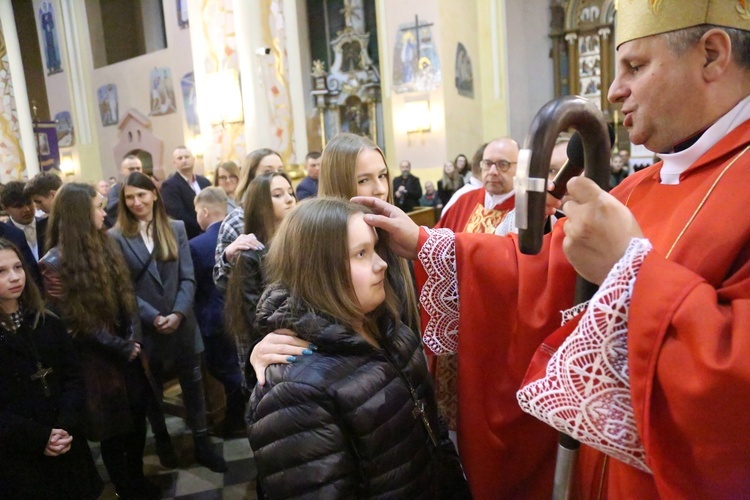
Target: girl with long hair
<point>87,281</point>
<point>257,162</point>
<point>463,167</point>
<point>450,183</point>
<point>361,412</point>
<point>158,257</point>
<point>352,165</point>
<point>269,198</point>
<point>42,396</point>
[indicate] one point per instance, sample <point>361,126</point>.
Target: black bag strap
<point>144,268</point>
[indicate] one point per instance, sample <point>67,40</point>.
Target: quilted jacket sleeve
<point>301,449</point>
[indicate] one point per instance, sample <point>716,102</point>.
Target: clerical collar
<point>493,200</point>
<point>676,163</point>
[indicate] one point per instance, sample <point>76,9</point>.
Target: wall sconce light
<point>196,146</point>
<point>417,116</point>
<point>67,166</point>
<point>226,97</point>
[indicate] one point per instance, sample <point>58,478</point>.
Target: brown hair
<point>97,284</point>
<point>338,166</point>
<point>30,299</point>
<point>165,242</point>
<point>231,168</point>
<point>338,178</point>
<point>259,220</point>
<point>249,168</point>
<point>310,257</point>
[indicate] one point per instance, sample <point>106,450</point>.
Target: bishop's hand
<point>403,232</point>
<point>598,230</point>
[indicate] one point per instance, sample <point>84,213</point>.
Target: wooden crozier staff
<point>531,192</point>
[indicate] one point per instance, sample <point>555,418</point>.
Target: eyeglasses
<point>224,178</point>
<point>501,165</point>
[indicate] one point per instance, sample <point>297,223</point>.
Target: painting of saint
<point>187,83</point>
<point>49,37</point>
<point>464,72</point>
<point>65,134</point>
<point>162,92</point>
<point>108,105</point>
<point>416,66</point>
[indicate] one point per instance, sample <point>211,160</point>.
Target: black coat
<point>179,200</point>
<point>27,416</point>
<point>343,422</point>
<point>410,199</point>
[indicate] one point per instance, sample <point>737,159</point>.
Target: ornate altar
<point>583,49</point>
<point>348,96</point>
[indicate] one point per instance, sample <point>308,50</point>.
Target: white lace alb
<point>586,390</point>
<point>439,296</point>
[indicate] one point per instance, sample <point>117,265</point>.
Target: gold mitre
<point>640,18</point>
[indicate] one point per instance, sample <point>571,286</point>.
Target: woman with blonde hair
<point>87,280</point>
<point>158,256</point>
<point>231,238</point>
<point>449,184</point>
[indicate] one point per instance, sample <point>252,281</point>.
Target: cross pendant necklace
<point>41,374</point>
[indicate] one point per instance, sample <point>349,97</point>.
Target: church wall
<point>530,69</point>
<point>460,24</point>
<point>425,150</point>
<point>134,90</point>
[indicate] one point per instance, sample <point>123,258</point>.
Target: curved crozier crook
<point>533,161</point>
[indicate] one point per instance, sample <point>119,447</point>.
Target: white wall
<point>530,78</point>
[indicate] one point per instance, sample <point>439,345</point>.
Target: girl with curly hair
<point>87,281</point>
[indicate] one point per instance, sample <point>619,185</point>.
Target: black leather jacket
<point>346,421</point>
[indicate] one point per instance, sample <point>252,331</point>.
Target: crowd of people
<point>303,304</point>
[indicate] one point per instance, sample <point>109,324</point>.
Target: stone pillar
<point>15,113</point>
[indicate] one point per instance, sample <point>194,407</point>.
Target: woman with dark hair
<point>87,281</point>
<point>361,412</point>
<point>257,162</point>
<point>42,396</point>
<point>463,167</point>
<point>157,254</point>
<point>269,198</point>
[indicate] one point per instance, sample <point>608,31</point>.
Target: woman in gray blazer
<point>157,253</point>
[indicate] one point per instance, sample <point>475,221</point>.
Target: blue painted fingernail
<point>291,359</point>
<point>312,347</point>
<point>307,352</point>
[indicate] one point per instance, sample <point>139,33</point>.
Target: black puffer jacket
<point>343,423</point>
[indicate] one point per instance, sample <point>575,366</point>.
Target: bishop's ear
<point>716,47</point>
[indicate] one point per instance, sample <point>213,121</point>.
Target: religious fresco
<point>217,18</point>
<point>108,104</point>
<point>187,84</point>
<point>51,48</point>
<point>11,152</point>
<point>275,75</point>
<point>416,66</point>
<point>182,14</point>
<point>162,92</point>
<point>589,68</point>
<point>464,72</point>
<point>65,134</point>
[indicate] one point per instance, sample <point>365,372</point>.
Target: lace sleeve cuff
<point>439,296</point>
<point>585,391</point>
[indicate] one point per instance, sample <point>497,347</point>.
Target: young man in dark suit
<point>20,209</point>
<point>220,353</point>
<point>179,191</point>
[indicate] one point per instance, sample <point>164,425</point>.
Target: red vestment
<point>468,214</point>
<point>688,334</point>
